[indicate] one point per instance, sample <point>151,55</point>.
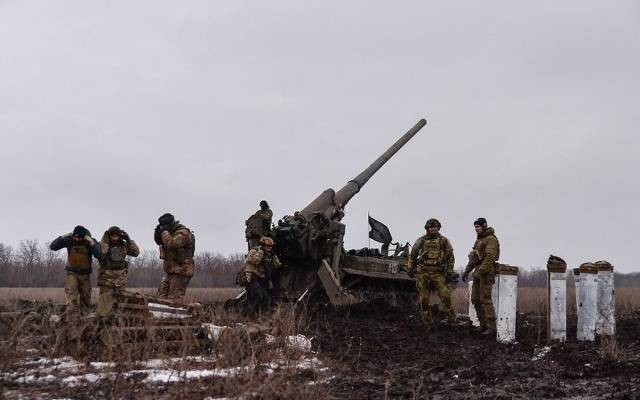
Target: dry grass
<point>56,295</point>
<point>530,300</point>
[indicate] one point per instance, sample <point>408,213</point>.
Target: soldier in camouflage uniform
<point>431,258</point>
<point>258,225</point>
<point>487,250</point>
<point>81,248</point>
<point>259,264</point>
<point>177,248</point>
<point>115,246</point>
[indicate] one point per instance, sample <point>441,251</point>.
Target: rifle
<point>474,259</point>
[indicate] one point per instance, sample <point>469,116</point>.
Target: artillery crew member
<point>260,263</point>
<point>486,252</point>
<point>431,260</point>
<point>258,225</point>
<point>81,248</point>
<point>177,249</point>
<point>115,246</point>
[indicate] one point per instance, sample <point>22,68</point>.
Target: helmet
<point>266,241</point>
<point>433,222</point>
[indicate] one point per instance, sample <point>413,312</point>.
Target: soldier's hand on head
<point>125,236</point>
<point>465,276</point>
<point>88,239</point>
<point>67,235</point>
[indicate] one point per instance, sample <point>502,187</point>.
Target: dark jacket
<point>67,242</point>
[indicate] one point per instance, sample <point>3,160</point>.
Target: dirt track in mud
<point>385,352</point>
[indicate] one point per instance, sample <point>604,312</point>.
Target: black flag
<point>379,231</point>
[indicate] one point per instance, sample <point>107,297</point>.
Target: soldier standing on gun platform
<point>177,248</point>
<point>432,257</point>
<point>258,225</point>
<point>81,248</point>
<point>115,246</point>
<point>487,249</point>
<point>259,264</point>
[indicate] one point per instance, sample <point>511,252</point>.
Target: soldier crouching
<point>260,262</point>
<point>177,249</point>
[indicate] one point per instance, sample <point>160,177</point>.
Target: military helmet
<point>266,241</point>
<point>433,222</point>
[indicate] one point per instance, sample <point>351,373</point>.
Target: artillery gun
<point>310,244</point>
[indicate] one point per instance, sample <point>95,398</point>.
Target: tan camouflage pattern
<point>77,294</point>
<point>259,224</point>
<point>426,282</point>
<point>173,287</point>
<point>487,247</point>
<point>435,253</point>
<point>171,242</point>
<point>115,278</point>
<point>257,262</point>
<point>482,301</point>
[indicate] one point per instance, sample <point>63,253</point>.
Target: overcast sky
<point>112,113</point>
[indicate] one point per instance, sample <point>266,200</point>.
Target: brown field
<point>530,300</point>
<point>56,295</point>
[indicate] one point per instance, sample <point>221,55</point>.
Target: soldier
<point>177,248</point>
<point>487,252</point>
<point>258,225</point>
<point>260,262</point>
<point>115,246</point>
<point>81,248</point>
<point>432,257</point>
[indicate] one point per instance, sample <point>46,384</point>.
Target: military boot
<point>490,329</point>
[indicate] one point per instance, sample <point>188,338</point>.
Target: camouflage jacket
<point>259,224</point>
<point>177,251</point>
<point>432,252</point>
<point>488,249</point>
<point>114,256</point>
<point>260,264</point>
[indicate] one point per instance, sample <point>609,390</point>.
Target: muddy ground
<point>385,352</point>
<point>372,351</point>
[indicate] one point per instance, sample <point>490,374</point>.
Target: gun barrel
<point>352,187</point>
<point>329,202</point>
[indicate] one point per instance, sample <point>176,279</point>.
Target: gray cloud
<point>113,113</point>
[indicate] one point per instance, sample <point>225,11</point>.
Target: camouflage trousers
<point>173,287</point>
<point>481,299</point>
<point>426,282</point>
<point>77,294</point>
<point>112,278</point>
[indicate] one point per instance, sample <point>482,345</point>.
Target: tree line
<point>33,264</point>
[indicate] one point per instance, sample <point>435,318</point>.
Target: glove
<point>67,235</point>
<point>125,236</point>
<point>157,235</point>
<point>465,276</point>
<point>88,239</point>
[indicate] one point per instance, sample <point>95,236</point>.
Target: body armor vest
<point>115,258</point>
<point>79,258</point>
<point>432,252</point>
